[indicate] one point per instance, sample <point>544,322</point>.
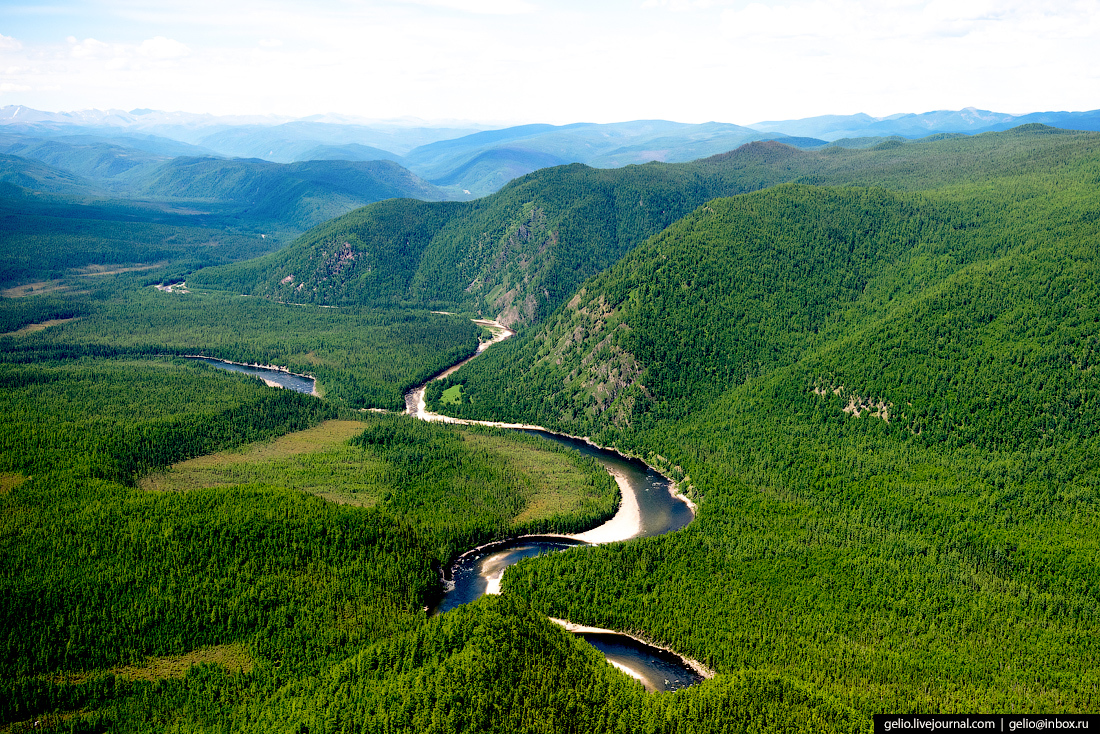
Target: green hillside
<point>298,195</point>
<point>885,402</point>
<point>519,254</point>
<point>515,255</point>
<point>22,173</point>
<point>49,237</point>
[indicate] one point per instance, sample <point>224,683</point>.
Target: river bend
<point>649,506</point>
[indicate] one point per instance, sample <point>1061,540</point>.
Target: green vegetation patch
<point>120,419</point>
<point>8,482</point>
<point>317,460</point>
<point>360,357</point>
<point>452,395</point>
<point>886,403</point>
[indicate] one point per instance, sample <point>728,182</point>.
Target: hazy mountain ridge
<point>301,195</point>
<point>481,161</point>
<point>970,121</point>
<point>598,145</point>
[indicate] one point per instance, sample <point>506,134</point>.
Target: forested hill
<point>519,254</point>
<point>750,284</point>
<point>300,195</point>
<point>886,404</point>
<point>515,255</point>
<point>32,175</point>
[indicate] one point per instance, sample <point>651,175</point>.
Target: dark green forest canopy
<point>879,382</point>
<point>361,358</point>
<point>886,402</point>
<point>520,253</point>
<point>96,574</point>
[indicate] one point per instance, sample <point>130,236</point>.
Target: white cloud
<point>160,47</point>
<point>532,60</point>
<point>679,4</point>
<point>7,43</point>
<point>9,87</point>
<point>480,7</point>
<point>89,48</point>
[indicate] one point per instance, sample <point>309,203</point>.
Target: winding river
<point>649,506</point>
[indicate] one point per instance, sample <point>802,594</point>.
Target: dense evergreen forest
<point>885,402</point>
<point>520,253</point>
<point>873,369</point>
<point>47,237</point>
<point>99,574</point>
<point>361,358</point>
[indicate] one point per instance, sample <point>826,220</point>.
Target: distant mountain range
<point>119,150</point>
<point>970,121</point>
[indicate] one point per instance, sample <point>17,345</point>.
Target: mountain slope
<point>296,194</point>
<point>348,152</point>
<point>885,404</point>
<point>514,255</point>
<point>519,254</point>
<point>40,177</point>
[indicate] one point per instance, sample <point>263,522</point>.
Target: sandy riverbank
<point>580,629</point>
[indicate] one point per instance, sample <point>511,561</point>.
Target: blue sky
<point>515,61</point>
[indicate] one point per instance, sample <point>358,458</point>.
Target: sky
<point>520,61</point>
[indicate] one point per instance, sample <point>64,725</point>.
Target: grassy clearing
<point>8,482</point>
<point>233,657</point>
<point>318,461</point>
<point>558,485</point>
<point>452,395</point>
<point>94,270</point>
<point>39,288</point>
<point>32,328</point>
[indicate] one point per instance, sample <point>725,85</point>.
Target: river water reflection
<point>653,511</point>
<point>286,380</point>
<point>658,512</point>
